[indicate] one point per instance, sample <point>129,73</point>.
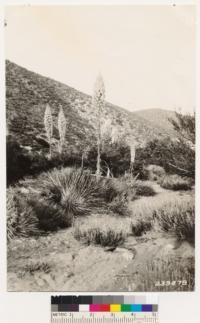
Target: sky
<point>145,53</point>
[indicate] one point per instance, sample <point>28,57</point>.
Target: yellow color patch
<point>115,308</point>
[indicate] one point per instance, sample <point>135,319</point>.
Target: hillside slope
<point>159,118</point>
<point>27,94</point>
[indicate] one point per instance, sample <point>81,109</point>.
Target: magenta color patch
<point>94,308</point>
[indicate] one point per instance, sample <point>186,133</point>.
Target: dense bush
<point>178,218</point>
<point>21,220</point>
<point>18,162</point>
<point>21,162</point>
<point>175,183</point>
<point>119,205</point>
<point>144,189</point>
<point>115,156</point>
<point>154,172</point>
<point>141,226</point>
<point>50,215</point>
<point>175,156</point>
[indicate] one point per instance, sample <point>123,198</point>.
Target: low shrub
<point>51,216</point>
<point>107,238</point>
<point>39,266</point>
<point>154,172</point>
<point>119,205</point>
<point>21,220</point>
<point>178,217</point>
<point>175,183</point>
<point>141,226</point>
<point>112,188</point>
<point>104,231</point>
<point>143,189</point>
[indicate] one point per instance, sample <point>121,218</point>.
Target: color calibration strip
<point>103,303</point>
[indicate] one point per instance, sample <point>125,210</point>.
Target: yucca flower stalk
<point>132,151</point>
<point>84,155</point>
<point>98,104</point>
<point>48,124</point>
<point>114,135</point>
<point>108,173</point>
<point>61,128</point>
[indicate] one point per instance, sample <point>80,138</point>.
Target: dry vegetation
<point>77,216</point>
<point>72,200</point>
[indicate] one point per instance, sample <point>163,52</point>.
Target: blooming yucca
<point>61,128</point>
<point>48,124</point>
<point>98,104</point>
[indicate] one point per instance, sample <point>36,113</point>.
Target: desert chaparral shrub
<point>102,231</point>
<point>51,216</point>
<point>178,217</point>
<point>18,162</point>
<point>175,183</point>
<point>144,189</point>
<point>119,205</point>
<point>141,226</point>
<point>154,172</point>
<point>21,220</point>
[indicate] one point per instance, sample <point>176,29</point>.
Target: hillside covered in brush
<point>27,94</point>
<point>160,119</point>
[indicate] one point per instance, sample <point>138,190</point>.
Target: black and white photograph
<point>100,148</point>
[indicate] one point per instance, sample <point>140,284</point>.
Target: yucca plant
<point>132,152</point>
<point>98,104</point>
<point>75,191</point>
<point>61,128</point>
<point>48,124</point>
<point>21,220</point>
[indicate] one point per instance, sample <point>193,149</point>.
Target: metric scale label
<point>79,317</point>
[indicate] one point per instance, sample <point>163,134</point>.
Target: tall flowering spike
<point>98,104</point>
<point>114,135</point>
<point>99,93</point>
<point>132,149</point>
<point>48,124</point>
<point>106,128</point>
<point>132,146</point>
<point>61,128</point>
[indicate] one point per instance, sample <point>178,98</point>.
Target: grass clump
<point>21,220</point>
<point>175,183</point>
<point>170,274</point>
<point>141,226</point>
<point>39,266</point>
<point>119,205</point>
<point>178,217</point>
<point>104,231</point>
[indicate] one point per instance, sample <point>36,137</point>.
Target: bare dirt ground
<point>58,262</point>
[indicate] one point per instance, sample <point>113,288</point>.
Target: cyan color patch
<point>136,308</point>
